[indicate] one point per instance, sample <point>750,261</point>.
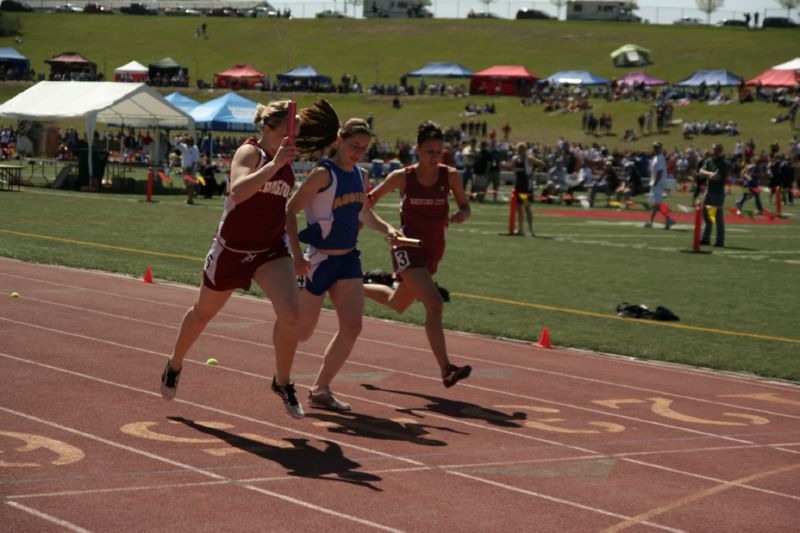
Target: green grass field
<point>735,305</point>
<point>380,51</point>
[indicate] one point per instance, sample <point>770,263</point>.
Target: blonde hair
<point>271,114</point>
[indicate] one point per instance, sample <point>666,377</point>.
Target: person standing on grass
<point>333,197</point>
<point>249,245</point>
<point>658,182</point>
<point>751,178</point>
<point>523,164</point>
<point>424,213</point>
<point>190,158</point>
<point>715,170</point>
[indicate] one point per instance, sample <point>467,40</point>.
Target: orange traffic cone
<point>148,275</point>
<point>544,339</point>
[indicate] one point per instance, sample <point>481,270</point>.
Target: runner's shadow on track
<point>301,459</point>
<point>457,409</point>
<point>358,425</point>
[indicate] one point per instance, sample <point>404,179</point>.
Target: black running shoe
<point>454,374</point>
<point>287,394</point>
<point>169,381</point>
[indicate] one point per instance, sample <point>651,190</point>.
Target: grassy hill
<point>380,51</point>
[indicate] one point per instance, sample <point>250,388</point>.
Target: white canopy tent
<point>794,64</point>
<point>134,69</point>
<point>129,104</point>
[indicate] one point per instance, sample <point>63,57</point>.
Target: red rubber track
<point>535,439</point>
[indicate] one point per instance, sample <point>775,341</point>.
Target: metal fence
<point>446,9</point>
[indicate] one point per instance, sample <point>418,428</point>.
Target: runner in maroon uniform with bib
<point>424,213</point>
<point>250,245</point>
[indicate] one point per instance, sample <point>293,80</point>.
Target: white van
<point>397,9</point>
<point>601,10</point>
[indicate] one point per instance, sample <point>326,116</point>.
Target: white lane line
<point>302,503</point>
<point>414,469</point>
<point>198,470</point>
<point>472,386</point>
<point>267,492</point>
<point>44,516</point>
<point>736,378</point>
<point>417,464</point>
<point>470,358</point>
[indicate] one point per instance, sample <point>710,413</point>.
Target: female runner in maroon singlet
<point>250,245</point>
<point>424,214</point>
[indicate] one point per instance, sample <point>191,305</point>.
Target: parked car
<point>482,15</point>
<point>180,11</point>
<point>528,13</point>
<point>222,12</point>
<point>92,7</point>
<point>263,9</point>
<point>14,5</point>
<point>330,14</point>
<point>732,22</point>
<point>779,22</point>
<point>67,8</point>
<point>138,9</point>
<point>690,21</point>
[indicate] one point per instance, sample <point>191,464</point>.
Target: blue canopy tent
<point>441,70</point>
<point>10,58</point>
<point>305,76</point>
<point>229,112</point>
<point>184,103</point>
<point>576,77</point>
<point>710,78</point>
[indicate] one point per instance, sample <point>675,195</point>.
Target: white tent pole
<point>91,122</point>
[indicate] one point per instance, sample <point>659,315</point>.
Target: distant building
<point>602,10</point>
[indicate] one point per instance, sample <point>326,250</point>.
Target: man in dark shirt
<point>715,169</point>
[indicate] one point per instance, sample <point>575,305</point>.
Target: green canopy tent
<point>166,69</point>
<point>631,55</point>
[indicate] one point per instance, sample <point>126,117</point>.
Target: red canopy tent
<point>776,78</point>
<point>69,64</point>
<point>239,77</point>
<point>505,80</point>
